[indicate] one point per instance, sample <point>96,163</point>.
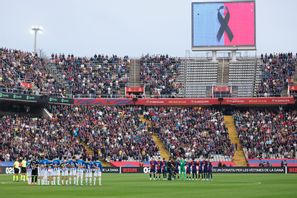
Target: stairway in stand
<point>90,153</point>
<point>163,151</point>
<point>134,74</point>
<point>239,157</point>
<point>223,72</point>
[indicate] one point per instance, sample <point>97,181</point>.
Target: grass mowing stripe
<point>138,185</point>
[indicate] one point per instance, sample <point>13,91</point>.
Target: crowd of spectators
<point>116,133</point>
<point>277,70</point>
<point>106,76</point>
<point>25,73</point>
<point>98,76</point>
<point>35,136</point>
<point>159,74</point>
<point>267,133</point>
<point>113,133</point>
<point>191,132</point>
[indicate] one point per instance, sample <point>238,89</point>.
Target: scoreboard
<point>228,25</point>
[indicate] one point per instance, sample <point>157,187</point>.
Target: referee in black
<point>34,166</point>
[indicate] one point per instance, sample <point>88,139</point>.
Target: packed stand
<point>113,133</point>
<point>277,70</point>
<point>159,74</point>
<point>267,133</point>
<point>25,73</point>
<point>25,136</point>
<point>98,76</point>
<point>191,132</point>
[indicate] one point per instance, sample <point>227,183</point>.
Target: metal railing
<point>20,90</point>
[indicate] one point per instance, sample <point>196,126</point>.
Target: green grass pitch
<point>138,185</point>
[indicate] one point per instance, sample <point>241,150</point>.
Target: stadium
<point>121,117</point>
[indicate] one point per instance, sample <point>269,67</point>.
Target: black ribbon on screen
<point>224,24</point>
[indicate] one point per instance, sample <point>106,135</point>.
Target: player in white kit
<point>80,163</point>
<point>72,170</point>
<point>97,166</point>
<point>64,172</point>
<point>88,166</point>
<point>29,172</point>
<point>56,171</point>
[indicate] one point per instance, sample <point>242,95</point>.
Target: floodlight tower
<point>35,30</point>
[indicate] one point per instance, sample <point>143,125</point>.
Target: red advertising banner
<point>292,169</point>
<point>259,101</point>
<point>186,101</point>
<point>132,169</point>
<point>177,101</point>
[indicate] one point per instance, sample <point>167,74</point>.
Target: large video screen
<point>223,25</point>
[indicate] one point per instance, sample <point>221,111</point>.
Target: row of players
<point>79,172</point>
<point>180,169</point>
<point>64,172</point>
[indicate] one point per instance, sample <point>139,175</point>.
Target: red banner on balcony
<point>134,89</point>
<point>26,85</point>
<point>221,89</point>
<point>293,88</point>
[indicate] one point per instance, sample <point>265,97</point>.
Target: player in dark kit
<point>189,165</point>
<point>194,170</point>
<point>34,167</point>
<point>152,169</point>
<point>159,169</point>
<point>205,170</point>
<point>175,169</point>
<point>209,170</point>
<point>164,167</point>
<point>200,172</point>
<point>170,168</point>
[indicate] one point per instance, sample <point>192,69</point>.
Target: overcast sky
<point>129,27</point>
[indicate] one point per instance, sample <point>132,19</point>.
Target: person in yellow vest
<point>16,167</point>
<point>24,170</point>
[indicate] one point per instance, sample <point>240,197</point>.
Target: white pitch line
<point>8,183</point>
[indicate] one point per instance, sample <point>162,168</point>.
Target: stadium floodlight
<point>35,30</point>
